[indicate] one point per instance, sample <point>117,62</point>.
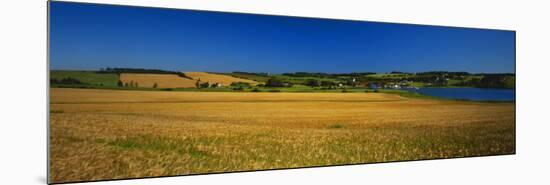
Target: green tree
<point>205,85</point>
<point>313,83</point>
<point>326,83</point>
<point>198,83</point>
<point>277,82</point>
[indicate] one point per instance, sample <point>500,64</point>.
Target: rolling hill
<point>162,80</point>
<point>217,78</point>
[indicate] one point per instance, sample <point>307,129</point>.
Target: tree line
<point>109,70</point>
<point>327,75</point>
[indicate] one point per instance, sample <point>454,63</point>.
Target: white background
<point>23,95</point>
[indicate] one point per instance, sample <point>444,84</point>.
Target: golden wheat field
<point>217,78</point>
<point>162,80</point>
<point>116,134</point>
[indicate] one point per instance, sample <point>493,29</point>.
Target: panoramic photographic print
<point>137,92</point>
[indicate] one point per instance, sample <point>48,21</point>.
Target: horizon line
<point>387,72</point>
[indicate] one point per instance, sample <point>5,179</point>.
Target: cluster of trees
<point>306,74</point>
<point>239,86</point>
<point>433,78</point>
<point>327,75</point>
<point>200,84</point>
<point>277,82</point>
<point>352,82</point>
<point>66,81</point>
<point>489,81</point>
<point>280,82</point>
<point>131,84</point>
<point>313,83</point>
<point>109,70</point>
<point>399,72</point>
<point>135,70</point>
<point>496,74</point>
<point>438,78</point>
<point>444,73</point>
<point>320,83</point>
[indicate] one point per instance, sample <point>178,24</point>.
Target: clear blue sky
<point>89,37</point>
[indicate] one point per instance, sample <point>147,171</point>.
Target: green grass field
<point>302,80</point>
<point>90,78</point>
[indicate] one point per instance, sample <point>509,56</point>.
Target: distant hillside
<point>225,80</point>
<point>259,77</point>
<point>162,80</point>
<point>147,78</point>
<point>83,78</point>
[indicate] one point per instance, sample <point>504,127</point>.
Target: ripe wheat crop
<point>113,134</point>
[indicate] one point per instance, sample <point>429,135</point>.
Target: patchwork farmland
<point>110,132</point>
<point>142,80</point>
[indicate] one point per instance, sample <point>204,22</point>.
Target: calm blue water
<point>477,94</point>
